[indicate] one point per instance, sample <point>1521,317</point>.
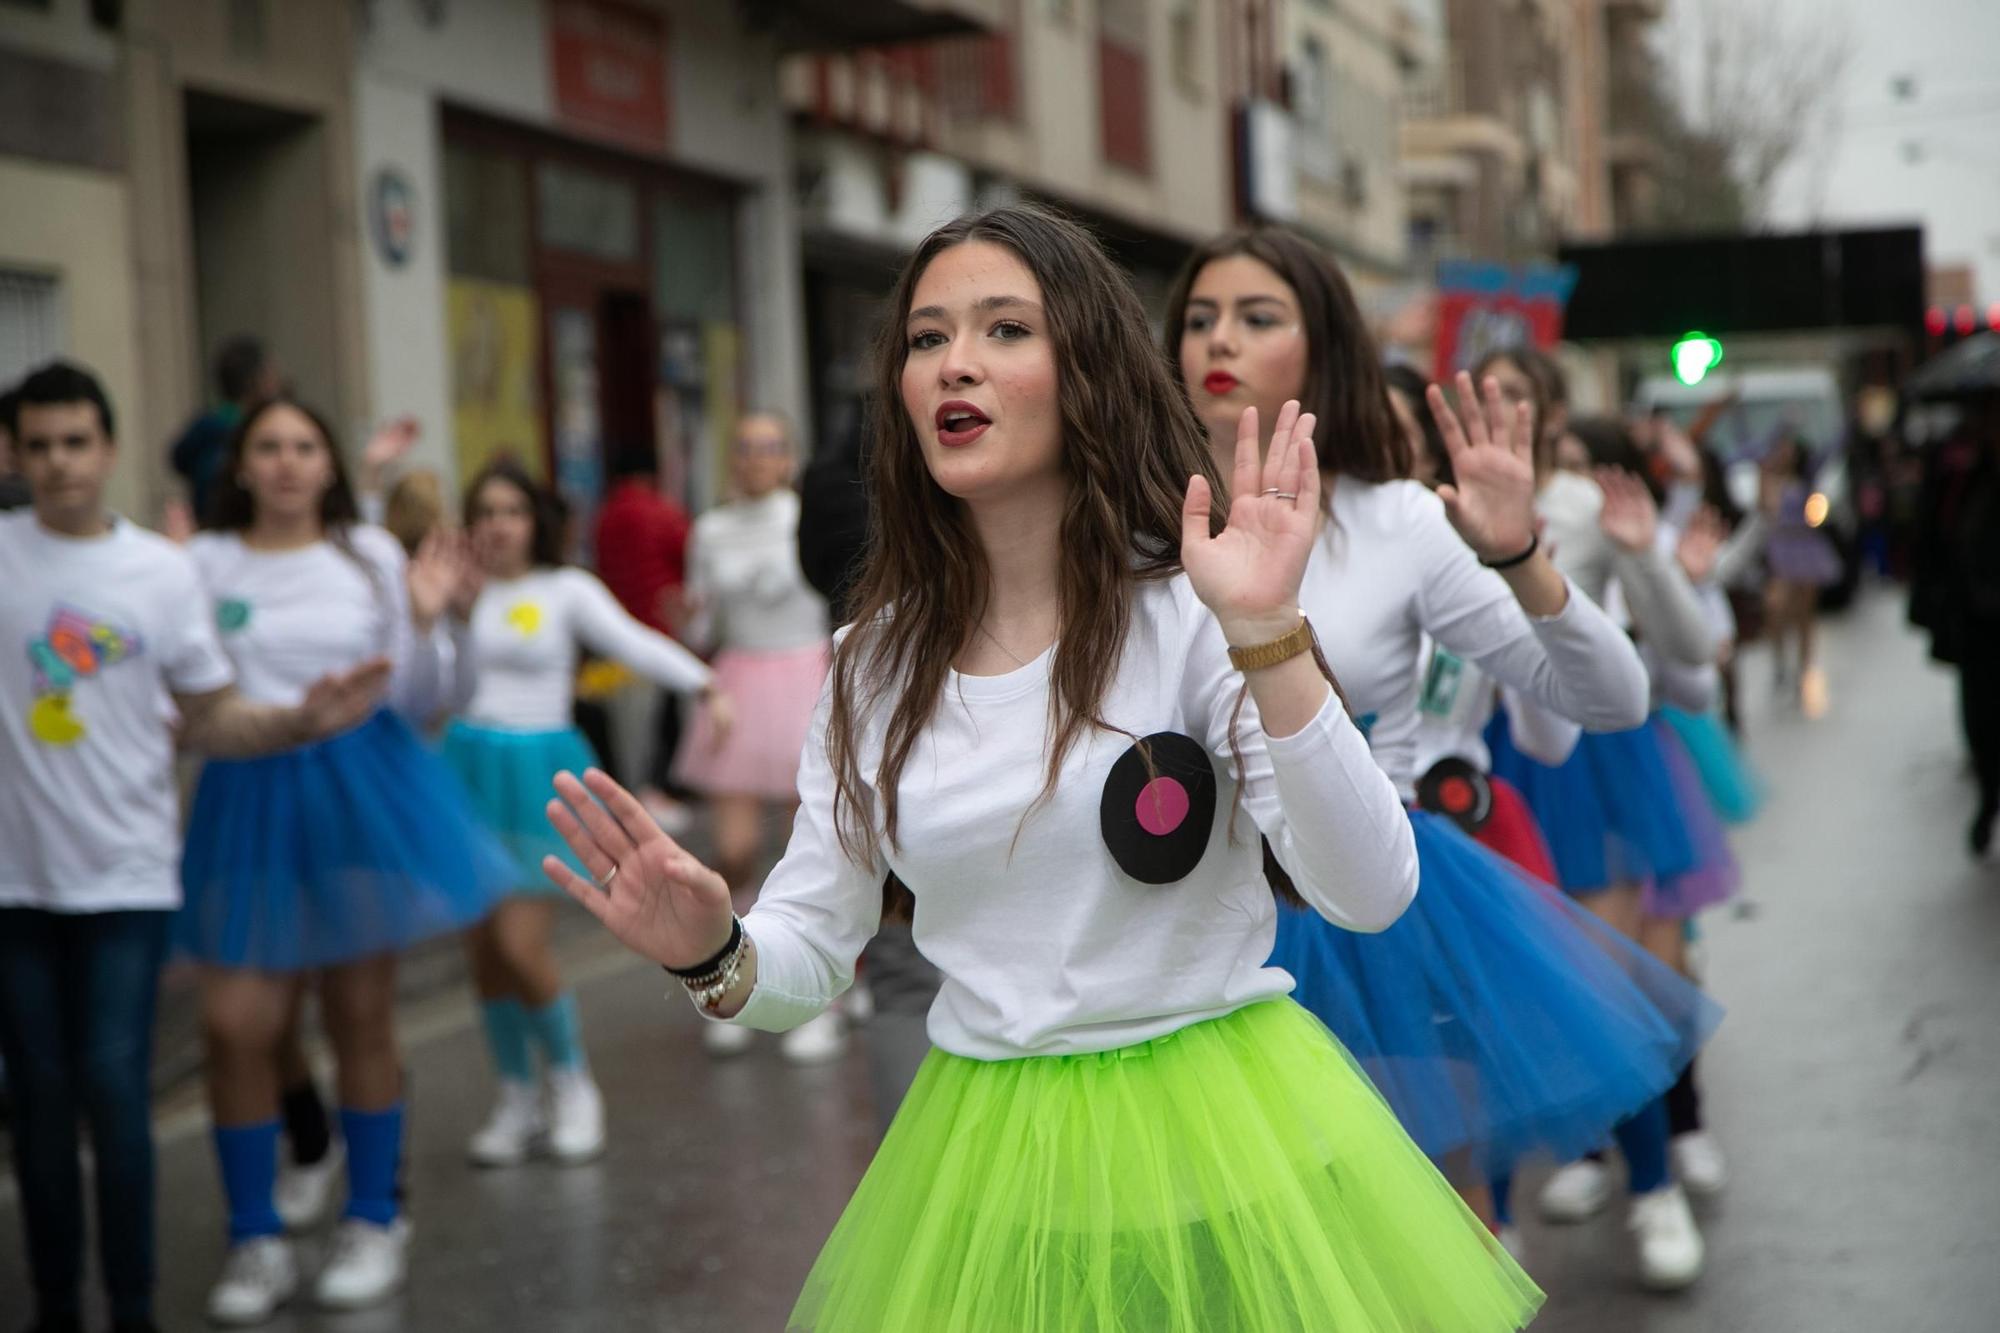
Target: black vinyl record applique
<point>1156,825</point>
<point>1459,792</point>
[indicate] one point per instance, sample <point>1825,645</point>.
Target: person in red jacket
<point>641,543</point>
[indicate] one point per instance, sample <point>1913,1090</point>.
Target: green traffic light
<point>1694,356</point>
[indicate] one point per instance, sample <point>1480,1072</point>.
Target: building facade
<point>563,229</point>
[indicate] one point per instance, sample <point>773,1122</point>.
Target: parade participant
<point>90,830</point>
<point>767,627</point>
<point>325,860</point>
<point>527,622</point>
<point>1037,722</point>
<point>245,374</point>
<point>641,544</point>
<point>1496,1018</point>
<point>1801,562</point>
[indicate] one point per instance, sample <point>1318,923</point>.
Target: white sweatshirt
<point>524,638</point>
<point>1046,944</point>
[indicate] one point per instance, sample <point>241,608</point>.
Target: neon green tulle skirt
<point>1238,1176</point>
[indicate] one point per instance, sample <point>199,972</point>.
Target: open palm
<point>1248,574</point>
<point>648,891</point>
<point>1629,517</point>
<point>1491,501</point>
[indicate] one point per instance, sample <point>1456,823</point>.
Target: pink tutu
<point>773,694</point>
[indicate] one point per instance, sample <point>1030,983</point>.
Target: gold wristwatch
<point>1282,649</point>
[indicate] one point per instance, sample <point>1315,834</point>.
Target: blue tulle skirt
<point>1734,787</point>
<point>359,845</point>
<point>510,777</point>
<point>1497,1017</point>
<point>1609,811</point>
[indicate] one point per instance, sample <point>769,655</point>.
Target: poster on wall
<point>1484,307</point>
<point>495,355</point>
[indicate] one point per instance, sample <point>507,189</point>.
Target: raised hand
<point>1492,501</point>
<point>342,699</point>
<point>1700,544</point>
<point>391,440</point>
<point>435,576</point>
<point>1248,574</point>
<point>1630,518</point>
<point>657,899</point>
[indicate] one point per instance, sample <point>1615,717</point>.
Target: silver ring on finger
<point>1283,495</point>
<point>604,885</point>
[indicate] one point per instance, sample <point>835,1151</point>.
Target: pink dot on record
<point>1162,805</point>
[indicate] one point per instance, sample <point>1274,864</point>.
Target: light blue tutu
<point>510,777</point>
<point>351,847</point>
<point>1609,811</point>
<point>1734,787</point>
<point>1497,1017</point>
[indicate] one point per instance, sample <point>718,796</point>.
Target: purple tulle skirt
<point>1715,876</point>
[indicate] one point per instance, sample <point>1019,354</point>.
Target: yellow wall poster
<point>495,374</point>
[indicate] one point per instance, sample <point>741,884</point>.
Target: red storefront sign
<point>610,70</point>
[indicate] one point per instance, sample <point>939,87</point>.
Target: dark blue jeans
<point>77,996</point>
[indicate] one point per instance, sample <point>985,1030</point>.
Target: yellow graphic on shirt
<point>525,618</point>
<point>76,646</point>
<point>51,722</point>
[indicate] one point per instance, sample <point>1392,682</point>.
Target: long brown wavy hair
<point>1130,442</point>
<point>1357,435</point>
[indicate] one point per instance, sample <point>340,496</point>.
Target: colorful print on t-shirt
<point>77,645</point>
<point>526,617</point>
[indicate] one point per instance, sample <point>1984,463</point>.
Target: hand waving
<point>342,699</point>
<point>657,899</point>
<point>1248,574</point>
<point>1700,544</point>
<point>1630,518</point>
<point>434,575</point>
<point>1492,448</point>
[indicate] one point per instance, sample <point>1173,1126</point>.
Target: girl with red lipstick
<point>1496,1017</point>
<point>1073,695</point>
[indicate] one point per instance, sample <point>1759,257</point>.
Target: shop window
<point>694,248</point>
<point>587,213</point>
<point>486,214</point>
<point>30,322</point>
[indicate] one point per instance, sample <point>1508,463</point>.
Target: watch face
<point>1459,792</point>
<point>1156,817</point>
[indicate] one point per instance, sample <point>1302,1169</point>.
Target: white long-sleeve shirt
<point>1663,602</point>
<point>524,637</point>
<point>1389,568</point>
<point>1045,944</point>
<point>744,576</point>
<point>286,618</point>
<point>1455,701</point>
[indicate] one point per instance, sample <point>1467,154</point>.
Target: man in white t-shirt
<point>106,639</point>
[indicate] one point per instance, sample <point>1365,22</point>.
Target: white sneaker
<point>367,1264</point>
<point>724,1039</point>
<point>258,1276</point>
<point>1512,1241</point>
<point>1699,1164</point>
<point>1670,1248</point>
<point>815,1041</point>
<point>304,1193</point>
<point>511,1132</point>
<point>1577,1192</point>
<point>576,1116</point>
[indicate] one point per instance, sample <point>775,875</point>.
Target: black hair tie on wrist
<point>1534,545</point>
<point>714,961</point>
